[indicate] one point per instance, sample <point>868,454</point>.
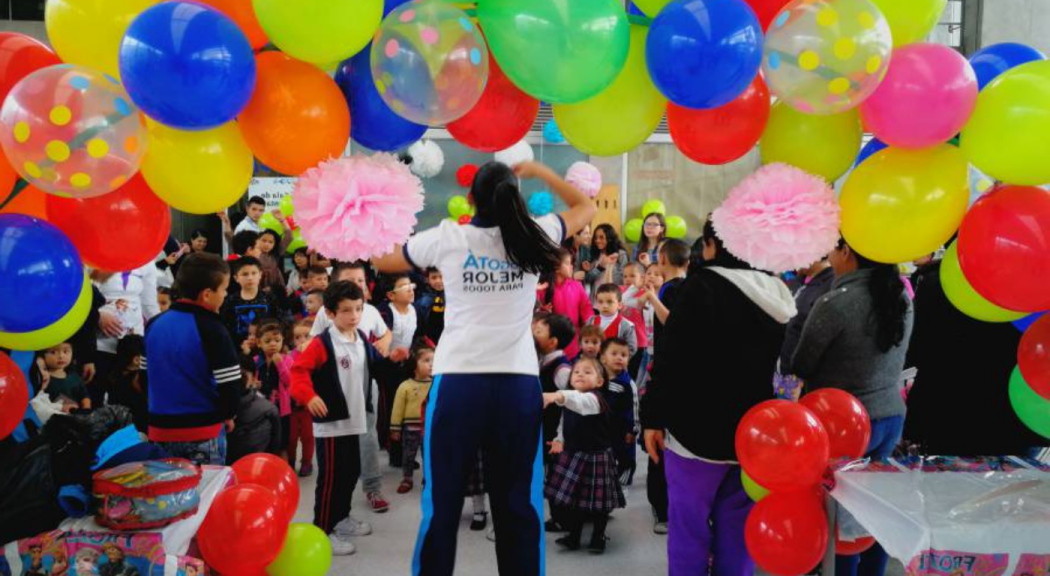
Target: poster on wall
<point>271,189</point>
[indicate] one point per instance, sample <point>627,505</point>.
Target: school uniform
<point>618,326</point>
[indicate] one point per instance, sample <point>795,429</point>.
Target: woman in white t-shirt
<point>486,392</point>
<point>131,300</point>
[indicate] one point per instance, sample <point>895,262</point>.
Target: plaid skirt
<point>476,480</point>
<point>585,481</point>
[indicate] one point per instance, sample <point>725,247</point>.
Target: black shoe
<point>569,542</point>
<point>553,525</point>
<point>597,545</point>
<point>480,521</point>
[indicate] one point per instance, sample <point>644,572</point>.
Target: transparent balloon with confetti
<point>826,56</point>
<point>72,131</point>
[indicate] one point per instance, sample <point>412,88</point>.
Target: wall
<point>1024,21</point>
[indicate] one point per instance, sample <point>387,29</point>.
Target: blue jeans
<point>885,435</point>
<point>200,453</point>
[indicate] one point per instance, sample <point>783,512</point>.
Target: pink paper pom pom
<point>586,177</point>
<point>358,207</point>
<point>778,219</point>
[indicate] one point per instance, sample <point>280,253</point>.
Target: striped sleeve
<point>224,363</point>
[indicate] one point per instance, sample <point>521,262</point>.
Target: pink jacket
<point>282,397</point>
<point>571,300</point>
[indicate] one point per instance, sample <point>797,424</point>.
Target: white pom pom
<point>516,154</point>
<point>427,159</point>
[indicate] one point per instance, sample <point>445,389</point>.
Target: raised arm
<point>581,209</point>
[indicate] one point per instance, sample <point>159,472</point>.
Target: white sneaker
<point>341,546</point>
<point>351,527</point>
<point>660,528</point>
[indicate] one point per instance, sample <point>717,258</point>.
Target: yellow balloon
<point>962,295</point>
<point>89,32</point>
<point>319,31</point>
<point>823,145</point>
<point>620,117</point>
<point>911,20</point>
<point>901,204</point>
<point>56,333</point>
<point>651,7</point>
<point>1008,136</point>
<point>200,172</point>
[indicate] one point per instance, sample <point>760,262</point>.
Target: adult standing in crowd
<point>131,300</point>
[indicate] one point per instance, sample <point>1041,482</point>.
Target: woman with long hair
<point>608,258</point>
<point>486,390</point>
<point>654,232</point>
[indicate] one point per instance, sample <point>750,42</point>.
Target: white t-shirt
<point>371,323</point>
<point>488,300</point>
<point>349,359</point>
<point>132,297</point>
<point>247,224</point>
<point>404,328</point>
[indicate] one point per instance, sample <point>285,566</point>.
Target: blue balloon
<point>1027,321</point>
<point>41,270</point>
<point>541,203</point>
<point>704,53</point>
<point>873,146</point>
<point>552,134</point>
<point>991,61</point>
<point>187,66</point>
<point>374,125</point>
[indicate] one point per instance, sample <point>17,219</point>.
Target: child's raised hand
<point>317,408</point>
<point>644,259</point>
<point>552,398</point>
<point>557,447</point>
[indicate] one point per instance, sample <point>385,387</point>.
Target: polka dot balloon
<point>72,131</point>
<point>826,56</point>
<point>429,62</point>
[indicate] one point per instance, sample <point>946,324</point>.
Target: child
<point>408,408</point>
<point>125,386</point>
<point>623,405</point>
<point>399,314</point>
<point>258,425</point>
<point>163,298</point>
<point>674,264</point>
<point>565,296</point>
<point>331,378</point>
<point>552,333</point>
<point>654,232</point>
<point>273,376</point>
<point>65,385</point>
<point>591,338</point>
<point>250,303</point>
<point>584,484</point>
<point>191,367</point>
<point>432,303</point>
<point>301,427</point>
<point>244,244</point>
<point>635,310</point>
<point>609,300</point>
<point>300,266</point>
<point>255,210</point>
<point>314,302</point>
<point>270,246</point>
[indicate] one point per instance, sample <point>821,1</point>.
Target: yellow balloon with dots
<point>826,56</point>
<point>72,131</point>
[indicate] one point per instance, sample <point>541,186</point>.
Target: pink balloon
<point>926,98</point>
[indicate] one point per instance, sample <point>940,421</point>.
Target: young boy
<point>250,303</point>
<point>591,338</point>
<point>191,367</point>
<point>255,210</point>
<point>163,298</point>
<point>674,264</point>
<point>315,278</point>
<point>552,334</point>
<point>623,404</point>
<point>332,379</point>
<point>244,244</point>
<point>258,423</point>
<point>432,303</point>
<point>314,302</point>
<point>609,302</point>
<point>399,314</point>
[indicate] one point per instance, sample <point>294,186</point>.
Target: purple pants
<point>706,515</point>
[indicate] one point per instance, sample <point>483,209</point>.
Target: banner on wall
<point>271,189</point>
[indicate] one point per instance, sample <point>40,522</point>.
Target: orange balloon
<point>297,116</point>
<point>29,200</point>
<point>242,13</point>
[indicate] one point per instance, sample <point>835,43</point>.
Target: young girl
<point>408,409</point>
<point>270,246</point>
<point>274,376</point>
<point>584,483</point>
<point>300,264</point>
<point>301,425</point>
<point>591,337</point>
<point>654,232</point>
<point>635,309</point>
<point>64,384</point>
<point>654,279</point>
<point>565,296</point>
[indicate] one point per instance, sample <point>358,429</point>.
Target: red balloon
<point>1004,247</point>
<point>857,546</point>
<point>244,529</point>
<point>782,446</point>
<point>766,10</point>
<point>121,230</point>
<point>274,474</point>
<point>500,119</point>
<point>14,395</point>
<point>844,419</point>
<point>465,175</point>
<point>1033,356</point>
<point>722,134</point>
<point>20,55</point>
<point>787,533</point>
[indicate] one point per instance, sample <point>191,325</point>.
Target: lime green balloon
<point>754,491</point>
<point>306,552</point>
<point>319,31</point>
<point>270,222</point>
<point>962,295</point>
<point>651,7</point>
<point>823,145</point>
<point>632,230</point>
<point>559,51</point>
<point>297,241</point>
<point>910,20</point>
<point>653,207</point>
<point>458,206</point>
<point>676,227</point>
<point>287,208</point>
<point>623,115</point>
<point>56,333</point>
<point>1031,408</point>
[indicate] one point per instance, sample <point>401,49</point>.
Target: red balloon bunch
<point>274,474</point>
<point>14,396</point>
<point>782,446</point>
<point>720,135</point>
<point>1033,356</point>
<point>787,533</point>
<point>500,119</point>
<point>243,531</point>
<point>844,418</point>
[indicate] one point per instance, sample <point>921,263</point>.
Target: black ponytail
<point>497,198</point>
<point>889,308</point>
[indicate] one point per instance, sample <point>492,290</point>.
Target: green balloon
<point>632,230</point>
<point>962,295</point>
<point>458,206</point>
<point>559,51</point>
<point>270,222</point>
<point>754,491</point>
<point>676,227</point>
<point>287,208</point>
<point>306,552</point>
<point>297,241</point>
<point>1031,408</point>
<point>652,206</point>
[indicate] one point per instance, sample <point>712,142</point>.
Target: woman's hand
<point>610,260</point>
<point>581,276</point>
<point>586,266</point>
<point>531,169</point>
<point>654,444</point>
<point>88,372</point>
<point>110,324</point>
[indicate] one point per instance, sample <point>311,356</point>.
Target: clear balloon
<point>306,552</point>
<point>21,55</point>
<point>722,134</point>
<point>704,53</point>
<point>272,473</point>
<point>991,61</point>
<point>620,117</point>
<point>200,172</point>
<point>901,204</point>
<point>632,230</point>
<point>375,126</point>
<point>787,534</point>
<point>319,31</point>
<point>1031,408</point>
<point>297,117</point>
<point>822,145</point>
<point>827,56</point>
<point>911,20</point>
<point>88,32</point>
<point>1008,135</point>
<point>187,65</point>
<point>558,51</point>
<point>1033,356</point>
<point>844,418</point>
<point>502,117</point>
<point>766,10</point>
<point>72,131</point>
<point>782,446</point>
<point>244,529</point>
<point>928,95</point>
<point>14,396</point>
<point>56,333</point>
<point>962,295</point>
<point>1004,249</point>
<point>42,273</point>
<point>243,14</point>
<point>430,64</point>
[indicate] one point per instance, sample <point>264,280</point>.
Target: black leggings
<point>573,520</point>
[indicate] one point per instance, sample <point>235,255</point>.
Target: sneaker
<point>306,470</point>
<point>378,502</point>
<point>552,525</point>
<point>597,545</point>
<point>351,527</point>
<point>660,527</point>
<point>405,486</point>
<point>341,546</point>
<point>480,521</point>
<point>569,542</point>
<point>491,536</point>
